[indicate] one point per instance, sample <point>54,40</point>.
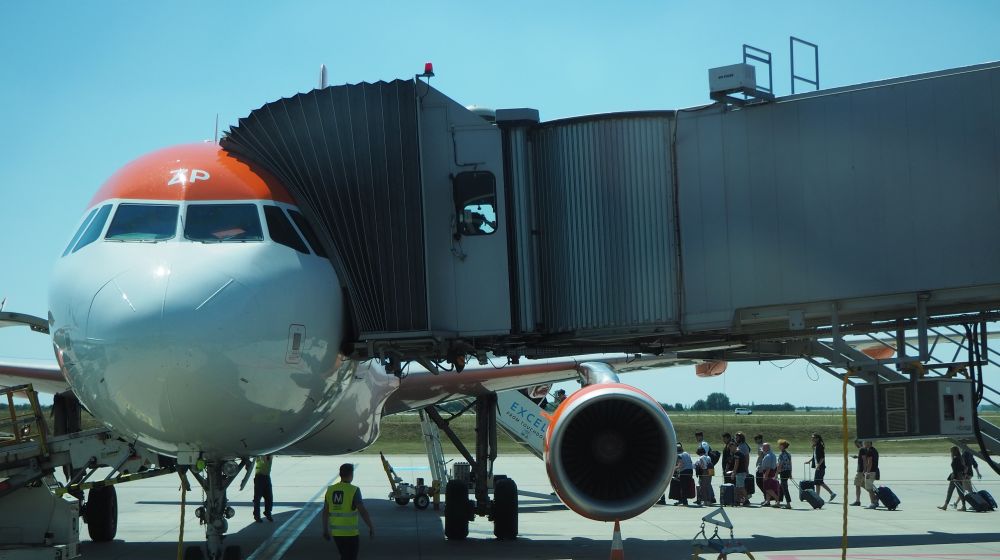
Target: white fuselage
<point>225,349</point>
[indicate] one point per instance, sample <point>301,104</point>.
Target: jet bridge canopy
<point>688,231</point>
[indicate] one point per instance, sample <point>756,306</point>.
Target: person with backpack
<point>704,471</point>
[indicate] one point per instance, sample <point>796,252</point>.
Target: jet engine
<point>610,451</point>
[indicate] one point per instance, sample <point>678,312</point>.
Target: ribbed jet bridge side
<point>865,196</point>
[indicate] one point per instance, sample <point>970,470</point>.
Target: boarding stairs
<point>922,357</point>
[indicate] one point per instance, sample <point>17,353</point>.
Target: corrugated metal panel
<point>350,157</point>
<point>520,185</point>
<point>606,223</point>
<point>873,192</point>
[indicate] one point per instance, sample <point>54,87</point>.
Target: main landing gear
<point>215,512</point>
<point>459,510</point>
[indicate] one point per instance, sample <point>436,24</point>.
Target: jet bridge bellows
<point>350,156</point>
<point>680,231</point>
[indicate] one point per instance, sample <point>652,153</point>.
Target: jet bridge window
<point>214,223</point>
<point>281,230</point>
<point>475,194</point>
<point>93,231</point>
<point>143,222</point>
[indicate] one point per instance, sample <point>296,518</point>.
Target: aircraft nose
<point>129,305</point>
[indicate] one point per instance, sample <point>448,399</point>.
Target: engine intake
<point>610,451</point>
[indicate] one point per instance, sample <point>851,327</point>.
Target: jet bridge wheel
<point>456,511</point>
<point>505,509</point>
<point>102,513</point>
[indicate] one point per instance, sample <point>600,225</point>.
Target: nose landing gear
<point>215,511</point>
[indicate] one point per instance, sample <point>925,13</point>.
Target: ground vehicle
<point>743,411</point>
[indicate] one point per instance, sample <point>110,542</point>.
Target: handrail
<point>26,429</point>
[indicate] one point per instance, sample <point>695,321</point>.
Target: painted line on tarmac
<point>281,540</point>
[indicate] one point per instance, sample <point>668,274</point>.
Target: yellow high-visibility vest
<point>262,465</point>
<point>340,503</point>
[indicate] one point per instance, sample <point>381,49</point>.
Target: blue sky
<point>87,87</point>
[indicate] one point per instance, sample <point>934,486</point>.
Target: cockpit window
<point>79,232</point>
<point>143,222</point>
<point>94,229</point>
<point>212,223</point>
<point>307,231</point>
<point>281,229</point>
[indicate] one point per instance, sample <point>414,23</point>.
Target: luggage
<point>772,485</point>
<point>812,498</point>
<point>803,487</point>
<point>727,494</point>
<point>976,501</point>
<point>989,498</point>
<point>674,493</point>
<point>887,497</point>
<point>688,488</point>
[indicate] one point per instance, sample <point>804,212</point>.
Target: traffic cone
<point>617,550</point>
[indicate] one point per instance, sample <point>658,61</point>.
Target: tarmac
<point>149,519</point>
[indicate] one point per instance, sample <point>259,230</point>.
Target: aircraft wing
<point>419,387</point>
<point>44,377</point>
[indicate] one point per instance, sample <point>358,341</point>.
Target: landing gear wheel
<point>194,553</point>
<point>456,511</point>
<point>505,509</point>
<point>232,553</point>
<point>102,514</point>
<point>402,501</point>
<point>421,501</point>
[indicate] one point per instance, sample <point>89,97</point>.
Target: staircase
<point>861,360</point>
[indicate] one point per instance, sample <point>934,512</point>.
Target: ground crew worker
<point>341,507</point>
<point>262,487</point>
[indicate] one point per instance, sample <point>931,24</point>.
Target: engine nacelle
<point>610,451</point>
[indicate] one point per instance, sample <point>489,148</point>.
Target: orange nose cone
<point>191,172</point>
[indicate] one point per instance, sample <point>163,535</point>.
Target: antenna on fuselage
<point>322,76</point>
<point>216,128</point>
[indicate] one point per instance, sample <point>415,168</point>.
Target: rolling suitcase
<point>727,494</point>
<point>976,501</point>
<point>812,498</point>
<point>989,498</point>
<point>806,484</point>
<point>887,497</point>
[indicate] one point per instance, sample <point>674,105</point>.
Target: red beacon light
<point>428,70</point>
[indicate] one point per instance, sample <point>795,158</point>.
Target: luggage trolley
<point>716,544</point>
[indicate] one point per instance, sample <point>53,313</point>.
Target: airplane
<point>192,313</point>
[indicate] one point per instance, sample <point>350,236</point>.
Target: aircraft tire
<point>421,501</point>
<point>402,501</point>
<point>505,509</point>
<point>456,511</point>
<point>102,514</point>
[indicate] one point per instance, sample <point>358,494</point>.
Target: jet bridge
<point>695,232</point>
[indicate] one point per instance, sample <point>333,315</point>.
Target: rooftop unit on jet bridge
<point>682,231</point>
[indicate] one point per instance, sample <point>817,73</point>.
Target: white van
<point>743,411</point>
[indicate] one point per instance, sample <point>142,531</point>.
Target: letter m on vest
<point>340,503</point>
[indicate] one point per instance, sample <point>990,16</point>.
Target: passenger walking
<point>870,472</point>
<point>262,487</point>
<point>700,436</point>
<point>727,459</point>
<point>785,472</point>
<point>758,473</point>
<point>683,478</point>
<point>704,471</point>
<point>956,478</point>
<point>818,462</point>
<point>740,462</point>
<point>859,475</point>
<point>769,476</point>
<point>744,448</point>
<point>970,466</point>
<point>341,507</point>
